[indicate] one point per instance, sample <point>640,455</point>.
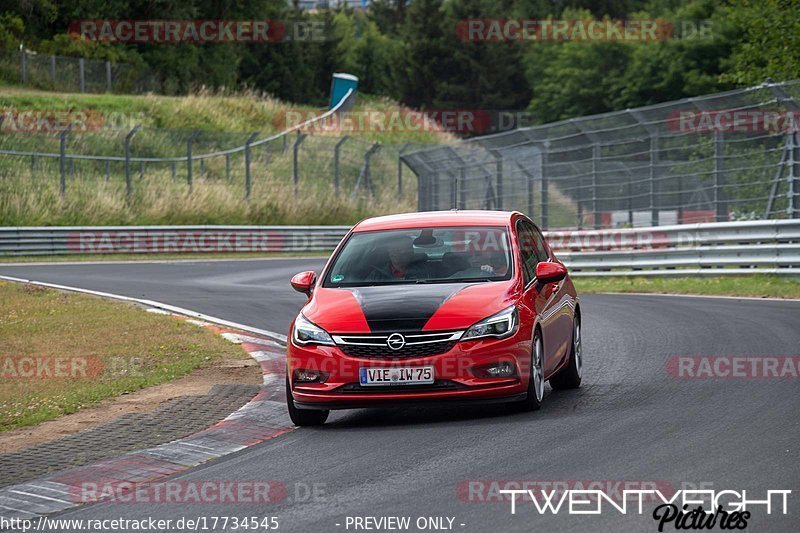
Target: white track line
<point>179,310</point>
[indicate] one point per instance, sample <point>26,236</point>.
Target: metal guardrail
<point>768,246</point>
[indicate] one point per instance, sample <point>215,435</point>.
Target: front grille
<point>406,352</point>
<point>417,344</point>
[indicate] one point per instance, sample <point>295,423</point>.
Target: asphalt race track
<point>630,421</point>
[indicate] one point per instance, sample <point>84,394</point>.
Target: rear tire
<point>536,379</point>
<point>569,377</point>
<point>303,417</point>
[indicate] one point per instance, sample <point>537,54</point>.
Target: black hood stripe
<point>403,307</point>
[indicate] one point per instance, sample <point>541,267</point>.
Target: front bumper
<point>455,376</point>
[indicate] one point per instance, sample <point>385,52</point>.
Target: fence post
<point>23,65</point>
<point>544,192</point>
<point>33,162</point>
<point>108,76</point>
<point>300,138</point>
<point>82,74</point>
<point>141,170</point>
<point>454,188</point>
<point>336,149</point>
<point>367,172</point>
<point>53,69</point>
<point>202,168</point>
<point>403,148</point>
<point>128,185</point>
<point>228,167</point>
<point>498,178</point>
<point>719,204</point>
<point>285,143</point>
<point>598,220</point>
<point>793,208</point>
<point>189,142</point>
<point>462,193</point>
<point>63,160</point>
<point>247,182</point>
<point>266,153</point>
<point>108,170</point>
<point>652,192</point>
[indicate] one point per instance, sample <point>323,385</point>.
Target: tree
<point>769,46</point>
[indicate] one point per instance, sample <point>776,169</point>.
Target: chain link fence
<point>73,74</point>
<point>128,159</point>
<point>726,156</point>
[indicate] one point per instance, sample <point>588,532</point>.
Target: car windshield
<point>422,255</point>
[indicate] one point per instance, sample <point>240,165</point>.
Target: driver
<point>400,264</point>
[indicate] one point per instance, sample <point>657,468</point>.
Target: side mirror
<point>549,272</point>
<point>304,281</point>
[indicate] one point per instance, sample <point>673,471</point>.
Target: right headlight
<point>499,325</point>
<point>306,332</point>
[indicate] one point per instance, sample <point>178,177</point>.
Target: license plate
<point>415,375</point>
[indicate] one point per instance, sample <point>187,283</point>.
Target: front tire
<point>570,376</point>
<point>303,417</point>
<point>536,379</point>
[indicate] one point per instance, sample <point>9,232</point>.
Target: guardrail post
<point>128,185</point>
<point>63,159</point>
<point>23,65</point>
<point>108,76</point>
<point>189,143</point>
<point>296,174</point>
<point>247,182</point>
<point>719,204</point>
<point>598,220</point>
<point>336,151</point>
<point>82,74</point>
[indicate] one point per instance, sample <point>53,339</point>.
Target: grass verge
<point>757,285</point>
<point>60,352</point>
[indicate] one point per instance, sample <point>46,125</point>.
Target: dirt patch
<point>198,382</point>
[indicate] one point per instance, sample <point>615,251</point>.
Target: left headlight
<point>306,332</point>
<point>499,325</point>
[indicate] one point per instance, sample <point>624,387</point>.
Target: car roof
<point>432,219</point>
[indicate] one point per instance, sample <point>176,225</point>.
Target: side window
<point>527,248</point>
<point>541,247</point>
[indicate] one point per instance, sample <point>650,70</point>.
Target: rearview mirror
<point>550,272</point>
<point>304,281</point>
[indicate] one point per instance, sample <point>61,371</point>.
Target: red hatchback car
<point>452,306</point>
